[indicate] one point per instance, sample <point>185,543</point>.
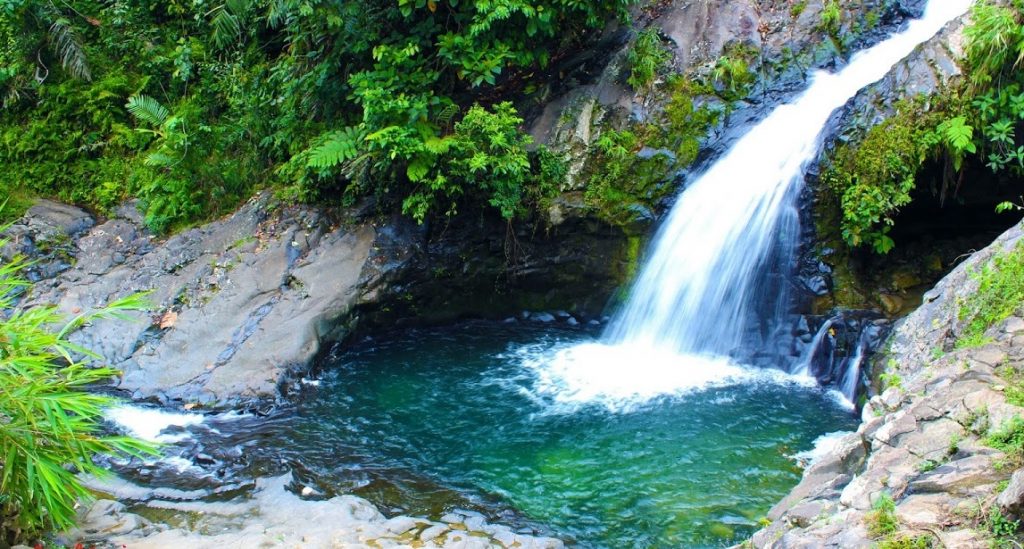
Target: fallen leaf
<point>169,319</point>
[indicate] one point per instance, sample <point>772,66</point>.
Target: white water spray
<point>706,285</point>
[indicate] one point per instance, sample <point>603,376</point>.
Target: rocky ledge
<point>242,306</point>
<point>274,516</point>
<point>922,441</point>
<point>238,303</point>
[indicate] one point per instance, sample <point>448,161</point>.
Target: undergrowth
<point>973,124</point>
<point>1009,439</point>
<point>1000,294</point>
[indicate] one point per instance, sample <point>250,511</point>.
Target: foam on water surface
<point>150,423</point>
<point>623,378</point>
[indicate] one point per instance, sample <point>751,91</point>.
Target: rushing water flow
<point>714,290</point>
<point>803,366</point>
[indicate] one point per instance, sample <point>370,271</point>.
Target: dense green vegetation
<point>875,178</point>
<point>624,183</point>
<point>1000,294</point>
<point>189,105</point>
<point>50,424</point>
<point>978,122</point>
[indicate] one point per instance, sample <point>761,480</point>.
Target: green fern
<point>148,110</point>
<point>160,159</point>
<point>960,138</point>
<point>336,148</point>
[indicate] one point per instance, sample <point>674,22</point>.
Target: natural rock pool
<point>426,421</point>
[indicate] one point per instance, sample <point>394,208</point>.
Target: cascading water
<point>851,372</point>
<point>713,290</point>
<point>803,367</point>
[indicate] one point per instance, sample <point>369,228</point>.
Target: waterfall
<point>713,290</point>
<point>707,277</point>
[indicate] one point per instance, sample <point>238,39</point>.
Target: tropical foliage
<point>190,104</point>
<point>979,122</point>
<point>49,425</point>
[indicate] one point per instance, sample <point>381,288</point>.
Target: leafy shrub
<point>485,156</point>
<point>874,178</point>
<point>891,379</point>
<point>732,71</point>
<point>1009,438</point>
<point>994,41</point>
<point>186,171</point>
<point>51,424</point>
<point>831,18</point>
<point>999,525</point>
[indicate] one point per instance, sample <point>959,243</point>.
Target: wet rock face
<point>486,267</point>
<point>924,251</point>
<point>244,304</point>
<point>46,237</point>
<point>789,43</point>
<point>239,303</point>
<point>922,440</point>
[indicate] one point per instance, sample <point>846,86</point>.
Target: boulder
<point>1011,499</point>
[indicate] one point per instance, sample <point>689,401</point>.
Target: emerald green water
<point>455,413</point>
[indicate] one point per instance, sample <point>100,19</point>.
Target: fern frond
<point>69,50</point>
<point>147,109</point>
<point>160,160</point>
<point>336,147</point>
<point>447,114</point>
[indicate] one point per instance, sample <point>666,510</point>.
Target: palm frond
<point>64,40</point>
<point>226,26</point>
